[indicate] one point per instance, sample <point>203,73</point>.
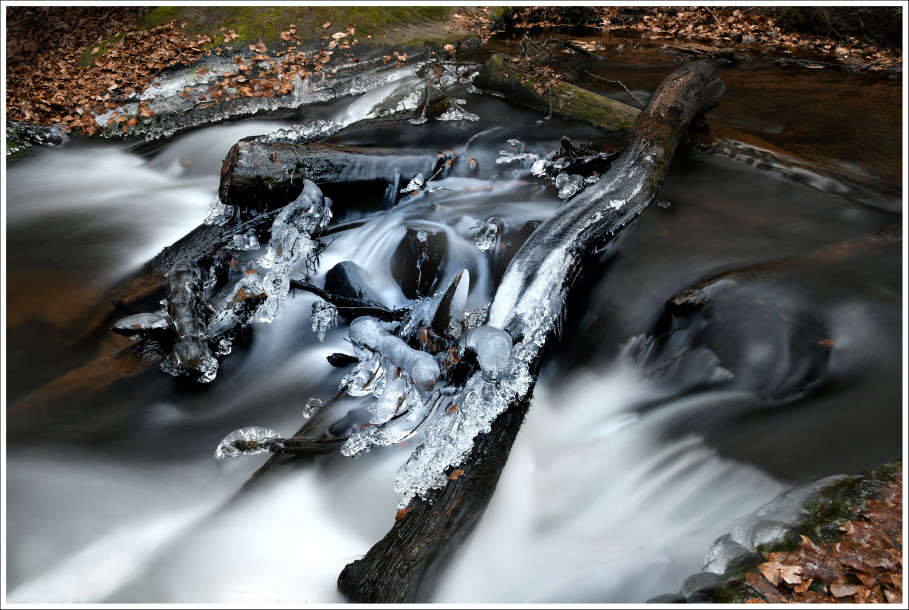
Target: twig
<point>712,14</point>
<point>633,96</point>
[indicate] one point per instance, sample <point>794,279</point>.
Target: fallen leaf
<point>842,589</point>
<point>455,474</point>
<point>402,512</point>
<point>326,25</point>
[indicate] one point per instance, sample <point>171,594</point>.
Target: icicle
<point>324,317</point>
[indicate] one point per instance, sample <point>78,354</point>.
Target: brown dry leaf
<point>402,512</point>
<point>326,25</point>
<point>791,574</point>
<point>455,474</point>
<point>771,571</point>
<point>842,589</point>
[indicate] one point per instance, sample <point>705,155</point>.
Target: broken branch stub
<point>528,303</point>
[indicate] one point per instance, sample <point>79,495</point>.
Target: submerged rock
<point>417,261</point>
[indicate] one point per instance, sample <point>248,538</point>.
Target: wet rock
<point>418,259</point>
<point>514,245</point>
<point>346,280</point>
<point>40,135</point>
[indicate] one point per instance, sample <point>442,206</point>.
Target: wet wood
<point>502,76</point>
<point>259,176</point>
<point>404,565</point>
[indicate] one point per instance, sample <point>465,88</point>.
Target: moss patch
<point>16,147</point>
<point>385,24</point>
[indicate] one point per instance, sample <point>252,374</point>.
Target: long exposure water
<point>637,452</point>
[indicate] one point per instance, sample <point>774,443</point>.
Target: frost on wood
<point>291,240</point>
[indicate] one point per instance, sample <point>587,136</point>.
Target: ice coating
<point>415,184</point>
<point>367,377</point>
<point>324,317</point>
<point>395,430</point>
<point>493,349</point>
<point>291,240</point>
<point>405,97</point>
<point>489,232</point>
<point>450,436</point>
<point>247,294</point>
<point>311,405</point>
<point>190,354</point>
<point>141,323</point>
<point>530,298</point>
<point>367,333</point>
<point>246,441</point>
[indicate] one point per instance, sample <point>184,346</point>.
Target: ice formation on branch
<point>291,240</point>
<point>246,441</point>
<point>324,318</point>
<point>489,232</point>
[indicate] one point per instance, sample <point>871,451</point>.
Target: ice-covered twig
<point>363,307</point>
<point>190,354</point>
<point>254,440</point>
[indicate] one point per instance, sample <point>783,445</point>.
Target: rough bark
<point>565,100</point>
<point>403,565</point>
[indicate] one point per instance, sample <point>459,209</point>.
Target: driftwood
<point>401,567</point>
<point>701,50</point>
<point>500,75</point>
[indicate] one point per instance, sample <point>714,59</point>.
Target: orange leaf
<point>455,474</point>
<point>402,512</point>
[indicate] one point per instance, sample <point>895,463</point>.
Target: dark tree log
<point>402,565</point>
<point>267,175</point>
<point>565,100</point>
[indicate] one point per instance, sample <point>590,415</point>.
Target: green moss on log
<point>566,100</point>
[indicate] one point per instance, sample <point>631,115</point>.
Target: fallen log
<point>267,175</point>
<point>501,76</point>
<point>528,305</point>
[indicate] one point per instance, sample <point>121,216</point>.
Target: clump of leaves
<point>865,566</point>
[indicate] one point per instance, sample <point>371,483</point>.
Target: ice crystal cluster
<point>291,240</point>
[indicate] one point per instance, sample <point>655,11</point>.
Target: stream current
<point>637,452</point>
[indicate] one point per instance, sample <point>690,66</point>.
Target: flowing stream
<point>637,452</point>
